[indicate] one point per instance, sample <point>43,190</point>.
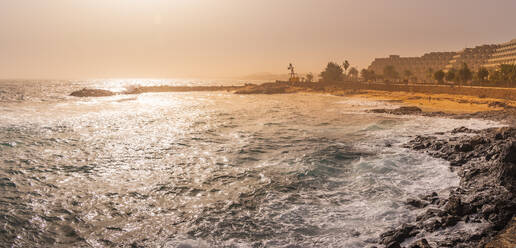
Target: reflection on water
<point>52,90</point>
<point>208,169</point>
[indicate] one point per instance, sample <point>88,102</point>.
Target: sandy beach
<point>447,103</point>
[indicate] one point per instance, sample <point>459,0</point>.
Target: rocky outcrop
<point>506,239</point>
<point>422,243</point>
<point>153,89</point>
<point>506,115</point>
<point>409,110</point>
<point>92,93</point>
<point>169,88</point>
<point>486,163</point>
<point>269,88</point>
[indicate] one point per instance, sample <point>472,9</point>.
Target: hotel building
<point>504,54</point>
<point>488,56</point>
<point>420,67</point>
<point>475,57</point>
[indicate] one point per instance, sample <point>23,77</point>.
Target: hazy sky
<point>225,38</point>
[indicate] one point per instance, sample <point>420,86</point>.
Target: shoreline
<point>446,99</point>
<point>431,104</point>
<point>348,87</point>
<point>451,104</point>
<point>484,161</point>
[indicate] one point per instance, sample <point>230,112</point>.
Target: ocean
<point>206,169</point>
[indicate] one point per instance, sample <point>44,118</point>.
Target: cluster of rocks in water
<point>92,93</point>
<point>149,89</point>
<point>406,110</point>
<point>485,161</point>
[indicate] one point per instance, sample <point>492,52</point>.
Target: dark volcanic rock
<point>505,115</point>
<point>497,104</point>
<point>505,239</point>
<point>92,93</point>
<point>421,244</point>
<point>411,110</point>
<point>417,203</point>
<point>454,206</point>
<point>463,130</point>
<point>485,161</point>
<point>154,89</point>
<point>267,88</point>
<point>394,237</point>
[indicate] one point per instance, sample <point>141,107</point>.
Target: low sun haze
<point>76,39</point>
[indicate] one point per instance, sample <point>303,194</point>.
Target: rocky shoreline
<point>506,115</point>
<point>485,161</point>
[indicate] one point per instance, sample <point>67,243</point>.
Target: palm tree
<point>353,72</point>
<point>309,77</point>
<point>332,73</point>
<point>345,65</point>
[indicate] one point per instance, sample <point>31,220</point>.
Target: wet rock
<point>507,173</point>
<point>431,212</point>
<point>432,198</point>
<point>410,110</point>
<point>506,238</point>
<point>170,88</point>
<point>268,88</point>
<point>503,133</point>
<point>477,141</point>
<point>416,203</point>
<point>487,210</point>
<point>422,243</point>
<point>431,224</point>
<point>462,130</point>
<point>92,93</point>
<point>407,110</point>
<point>449,220</point>
<point>464,147</point>
<point>485,160</point>
<point>395,237</point>
<point>69,231</point>
<point>454,206</point>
